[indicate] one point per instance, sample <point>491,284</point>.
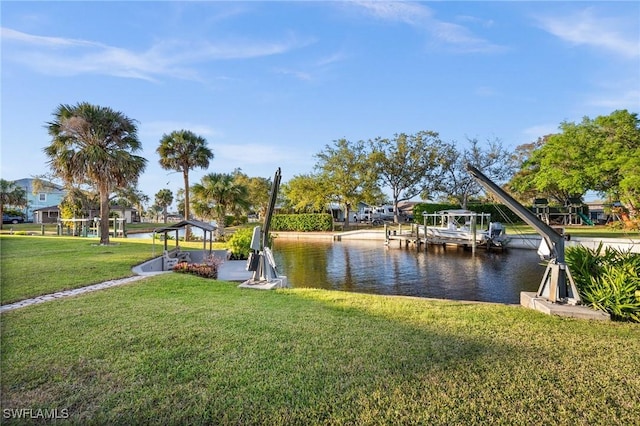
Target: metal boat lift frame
<point>261,262</point>
<point>557,284</point>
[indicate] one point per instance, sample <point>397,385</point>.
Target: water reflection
<point>370,267</point>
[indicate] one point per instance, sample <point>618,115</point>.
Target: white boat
<point>457,227</point>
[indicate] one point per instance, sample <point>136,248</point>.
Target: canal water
<point>443,273</point>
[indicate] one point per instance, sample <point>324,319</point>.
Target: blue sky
<point>269,84</point>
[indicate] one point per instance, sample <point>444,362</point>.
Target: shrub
<point>239,243</point>
<point>207,269</point>
<point>302,222</point>
<point>608,280</point>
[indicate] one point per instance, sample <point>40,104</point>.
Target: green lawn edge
<point>178,349</point>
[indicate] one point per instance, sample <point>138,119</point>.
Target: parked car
<point>11,219</point>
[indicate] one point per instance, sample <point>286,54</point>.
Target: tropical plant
<point>607,279</point>
<point>164,198</point>
<point>11,195</point>
<point>182,151</point>
<point>217,194</point>
<point>95,145</point>
<point>239,243</point>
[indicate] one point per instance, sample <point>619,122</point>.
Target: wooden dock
<point>407,238</point>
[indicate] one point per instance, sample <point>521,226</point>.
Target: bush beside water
<point>607,279</point>
<point>310,222</point>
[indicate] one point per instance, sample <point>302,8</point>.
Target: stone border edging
<point>67,293</point>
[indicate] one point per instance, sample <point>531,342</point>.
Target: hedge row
<point>497,211</point>
<point>302,222</point>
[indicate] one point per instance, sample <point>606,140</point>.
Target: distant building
<point>51,214</point>
<point>49,194</point>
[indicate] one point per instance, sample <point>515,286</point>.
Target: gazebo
<point>206,227</point>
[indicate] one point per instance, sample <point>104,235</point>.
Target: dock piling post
<point>473,234</point>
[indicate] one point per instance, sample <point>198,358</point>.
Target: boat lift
<point>557,284</point>
<point>261,262</point>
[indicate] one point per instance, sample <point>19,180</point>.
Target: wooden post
<point>473,234</point>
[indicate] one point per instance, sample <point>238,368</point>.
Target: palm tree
<point>217,194</point>
<point>11,195</point>
<point>95,145</point>
<point>164,198</point>
<point>183,150</point>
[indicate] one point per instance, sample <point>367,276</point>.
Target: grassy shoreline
<point>180,349</point>
<point>184,350</point>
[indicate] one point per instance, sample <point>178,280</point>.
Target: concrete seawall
<point>527,242</point>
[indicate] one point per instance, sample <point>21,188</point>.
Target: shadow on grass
<point>179,349</point>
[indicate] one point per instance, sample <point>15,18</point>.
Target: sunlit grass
<point>36,265</point>
<point>178,349</point>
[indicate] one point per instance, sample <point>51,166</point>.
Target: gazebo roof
<point>182,224</point>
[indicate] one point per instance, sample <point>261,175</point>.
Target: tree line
<point>94,151</point>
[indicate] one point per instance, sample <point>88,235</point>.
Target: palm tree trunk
<point>104,216</point>
<point>187,230</point>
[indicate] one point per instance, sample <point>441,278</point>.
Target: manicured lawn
<point>179,349</point>
<point>37,265</point>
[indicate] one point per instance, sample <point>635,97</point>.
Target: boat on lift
<point>462,227</point>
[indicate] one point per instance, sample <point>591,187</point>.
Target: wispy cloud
<point>168,58</point>
<point>410,13</point>
<point>443,34</point>
<point>587,28</point>
<point>312,71</point>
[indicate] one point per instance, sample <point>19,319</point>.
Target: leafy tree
<point>407,164</point>
<point>307,193</point>
<point>77,202</point>
<point>493,160</point>
<point>182,151</point>
<point>259,190</point>
<point>615,167</point>
<point>521,184</point>
<point>163,199</point>
<point>216,195</point>
<point>129,197</point>
<point>154,211</point>
<point>346,170</point>
<point>11,195</point>
<point>602,155</point>
<point>95,145</point>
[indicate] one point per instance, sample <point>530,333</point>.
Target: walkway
<point>231,270</point>
<point>67,293</point>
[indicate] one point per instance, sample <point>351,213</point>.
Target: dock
<point>415,237</point>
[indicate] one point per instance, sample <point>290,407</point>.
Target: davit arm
<point>554,284</point>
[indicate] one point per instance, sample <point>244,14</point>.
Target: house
<point>48,194</point>
<point>51,214</point>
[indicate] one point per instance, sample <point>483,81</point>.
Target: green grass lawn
<point>179,349</point>
<point>36,265</point>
